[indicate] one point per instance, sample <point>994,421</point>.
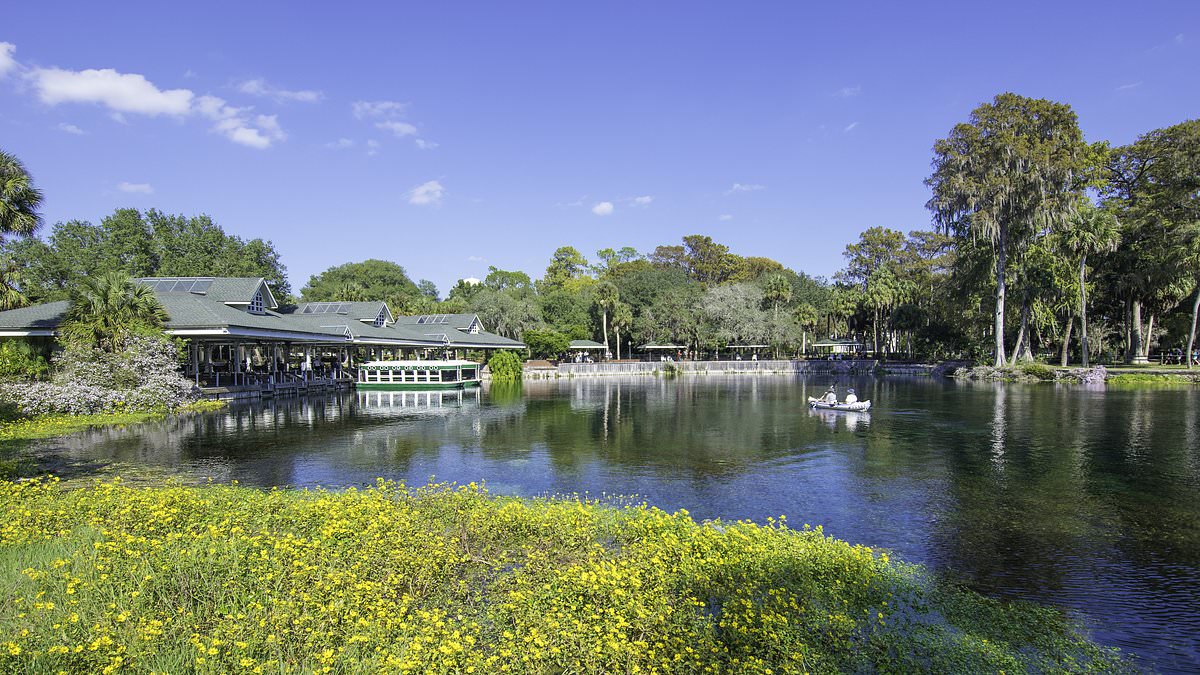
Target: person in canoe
<point>831,394</point>
<point>851,397</point>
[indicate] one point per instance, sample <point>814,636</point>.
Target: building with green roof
<point>237,333</point>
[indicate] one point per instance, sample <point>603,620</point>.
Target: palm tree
<point>622,320</point>
<point>777,291</point>
<point>807,317</point>
<point>607,296</point>
<point>106,310</point>
<point>1093,231</point>
<point>19,203</point>
<point>19,199</point>
<point>11,296</point>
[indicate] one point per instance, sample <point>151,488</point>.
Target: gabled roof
<point>359,311</point>
<point>457,321</point>
<point>585,344</point>
<point>36,320</point>
<point>189,312</point>
<point>235,290</point>
<point>365,332</point>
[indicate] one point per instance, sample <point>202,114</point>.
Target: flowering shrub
<point>88,381</point>
<point>447,579</point>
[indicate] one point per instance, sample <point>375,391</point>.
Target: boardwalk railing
<point>701,367</point>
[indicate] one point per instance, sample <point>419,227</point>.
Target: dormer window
<point>256,304</point>
<point>381,320</point>
<point>474,329</point>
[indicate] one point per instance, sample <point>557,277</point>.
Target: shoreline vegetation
<point>451,579</point>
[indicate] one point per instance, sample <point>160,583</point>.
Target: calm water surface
<point>1085,499</point>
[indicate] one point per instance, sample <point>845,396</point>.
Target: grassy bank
<point>452,580</point>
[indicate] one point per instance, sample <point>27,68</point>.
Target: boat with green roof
<point>418,375</point>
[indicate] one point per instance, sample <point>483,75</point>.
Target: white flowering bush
<point>87,381</point>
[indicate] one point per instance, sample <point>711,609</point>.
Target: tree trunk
<point>876,331</point>
<point>1066,347</point>
<point>1135,331</point>
<point>1147,337</point>
<point>1083,343</point>
<point>1192,333</point>
<point>604,328</point>
<point>618,332</point>
<point>803,341</point>
<point>1022,335</point>
<point>1001,287</point>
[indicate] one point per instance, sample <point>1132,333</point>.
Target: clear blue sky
<point>453,137</point>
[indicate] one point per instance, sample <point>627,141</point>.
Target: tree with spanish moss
<point>1014,169</point>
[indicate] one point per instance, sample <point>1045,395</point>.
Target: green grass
<point>446,579</point>
<point>1127,378</point>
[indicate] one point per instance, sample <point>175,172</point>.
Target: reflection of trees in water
<point>1073,485</point>
<point>683,426</point>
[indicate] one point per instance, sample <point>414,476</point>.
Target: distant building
<point>470,281</point>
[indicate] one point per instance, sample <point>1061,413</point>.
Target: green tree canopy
<point>367,280</point>
<point>139,245</point>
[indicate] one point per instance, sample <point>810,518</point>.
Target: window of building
<point>381,319</point>
<point>256,304</point>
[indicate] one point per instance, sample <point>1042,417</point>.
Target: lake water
<point>1081,498</point>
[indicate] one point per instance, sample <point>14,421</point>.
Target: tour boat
<point>418,375</point>
<point>859,406</point>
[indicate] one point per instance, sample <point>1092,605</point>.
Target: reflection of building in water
<point>456,398</point>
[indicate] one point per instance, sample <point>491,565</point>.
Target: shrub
<point>505,366</point>
<point>1037,371</point>
<point>21,360</point>
<point>87,381</point>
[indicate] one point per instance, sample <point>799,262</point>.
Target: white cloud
<point>847,92</point>
<point>136,188</point>
<point>849,127</point>
<point>70,129</point>
<point>426,194</point>
<point>132,94</point>
<point>744,187</point>
<point>7,62</point>
<point>236,124</point>
<point>644,200</point>
<point>400,129</point>
<point>365,109</point>
<point>724,216</point>
<point>119,92</point>
<point>1127,87</point>
<point>425,145</point>
<point>189,74</point>
<point>340,144</point>
<point>260,87</point>
<point>603,208</point>
<point>476,258</point>
<point>372,147</point>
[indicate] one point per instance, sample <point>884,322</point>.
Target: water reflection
<point>1086,498</point>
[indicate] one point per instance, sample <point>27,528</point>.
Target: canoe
<point>860,406</point>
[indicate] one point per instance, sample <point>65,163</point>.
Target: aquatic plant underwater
<point>451,579</point>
